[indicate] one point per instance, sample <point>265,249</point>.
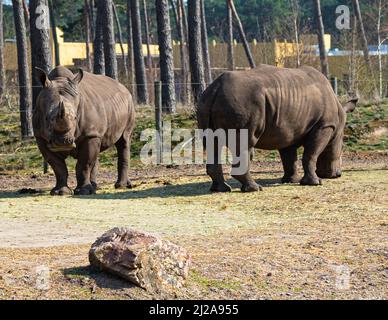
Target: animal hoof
<point>330,175</point>
<point>292,179</point>
<point>311,181</point>
<point>251,188</point>
<point>85,191</point>
<point>217,187</point>
<point>63,191</point>
<point>123,185</point>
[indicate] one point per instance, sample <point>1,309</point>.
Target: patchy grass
<point>288,241</point>
<point>365,132</point>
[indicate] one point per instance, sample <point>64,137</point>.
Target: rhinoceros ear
<point>42,76</point>
<point>78,77</point>
<point>351,105</point>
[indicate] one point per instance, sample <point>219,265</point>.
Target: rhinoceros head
<point>60,100</point>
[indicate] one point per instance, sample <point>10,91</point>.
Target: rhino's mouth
<point>61,147</point>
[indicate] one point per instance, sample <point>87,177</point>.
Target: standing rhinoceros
<point>282,109</point>
<point>82,115</point>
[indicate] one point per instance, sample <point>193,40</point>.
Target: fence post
<point>158,121</point>
<point>334,84</point>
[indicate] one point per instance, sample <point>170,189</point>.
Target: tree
<point>242,34</point>
<point>141,79</point>
<point>148,41</point>
<point>364,41</point>
<point>205,45</point>
<point>321,39</point>
<point>166,56</point>
<point>98,45</point>
<point>108,36</point>
<point>120,36</point>
<point>130,49</point>
<point>230,39</point>
<point>295,13</point>
<point>2,70</point>
<point>41,56</point>
<point>88,27</point>
<point>195,49</point>
<point>182,36</point>
<point>25,94</point>
<point>54,33</point>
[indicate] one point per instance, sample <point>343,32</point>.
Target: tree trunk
<point>108,36</point>
<point>25,94</point>
<point>295,12</point>
<point>148,39</point>
<point>242,34</point>
<point>141,79</point>
<point>195,47</point>
<point>98,45</point>
<point>91,17</point>
<point>230,39</point>
<point>205,45</point>
<point>353,71</point>
<point>183,53</point>
<point>166,56</point>
<point>120,36</point>
<point>2,67</point>
<point>321,39</point>
<point>131,79</point>
<point>87,34</point>
<point>41,56</point>
<point>54,33</point>
<point>364,41</point>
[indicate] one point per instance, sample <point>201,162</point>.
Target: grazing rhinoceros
<point>82,115</point>
<point>283,109</point>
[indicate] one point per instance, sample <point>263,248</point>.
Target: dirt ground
<point>287,242</point>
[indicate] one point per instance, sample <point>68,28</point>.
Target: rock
<point>145,260</point>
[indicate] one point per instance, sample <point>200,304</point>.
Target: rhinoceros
<point>282,109</point>
<point>82,115</point>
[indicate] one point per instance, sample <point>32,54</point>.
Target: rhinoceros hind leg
<point>248,183</point>
<point>220,187</point>
<point>63,191</point>
<point>216,174</point>
<point>289,158</point>
<point>85,190</point>
<point>315,144</point>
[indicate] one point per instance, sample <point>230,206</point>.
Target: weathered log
<point>143,259</point>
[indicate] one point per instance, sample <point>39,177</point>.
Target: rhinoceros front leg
<point>289,158</point>
<point>329,162</point>
<point>87,158</point>
<point>58,164</point>
<point>93,174</point>
<point>314,145</point>
<point>123,147</point>
<point>214,170</point>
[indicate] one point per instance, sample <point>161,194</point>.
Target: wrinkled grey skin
<point>82,115</point>
<point>283,109</point>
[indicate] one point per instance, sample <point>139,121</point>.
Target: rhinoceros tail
<point>205,106</point>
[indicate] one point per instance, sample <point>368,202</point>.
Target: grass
<point>367,130</point>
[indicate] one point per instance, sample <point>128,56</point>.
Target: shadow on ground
<point>79,275</point>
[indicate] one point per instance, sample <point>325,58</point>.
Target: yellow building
<point>68,51</point>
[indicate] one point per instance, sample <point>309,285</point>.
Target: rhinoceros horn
<point>61,111</point>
